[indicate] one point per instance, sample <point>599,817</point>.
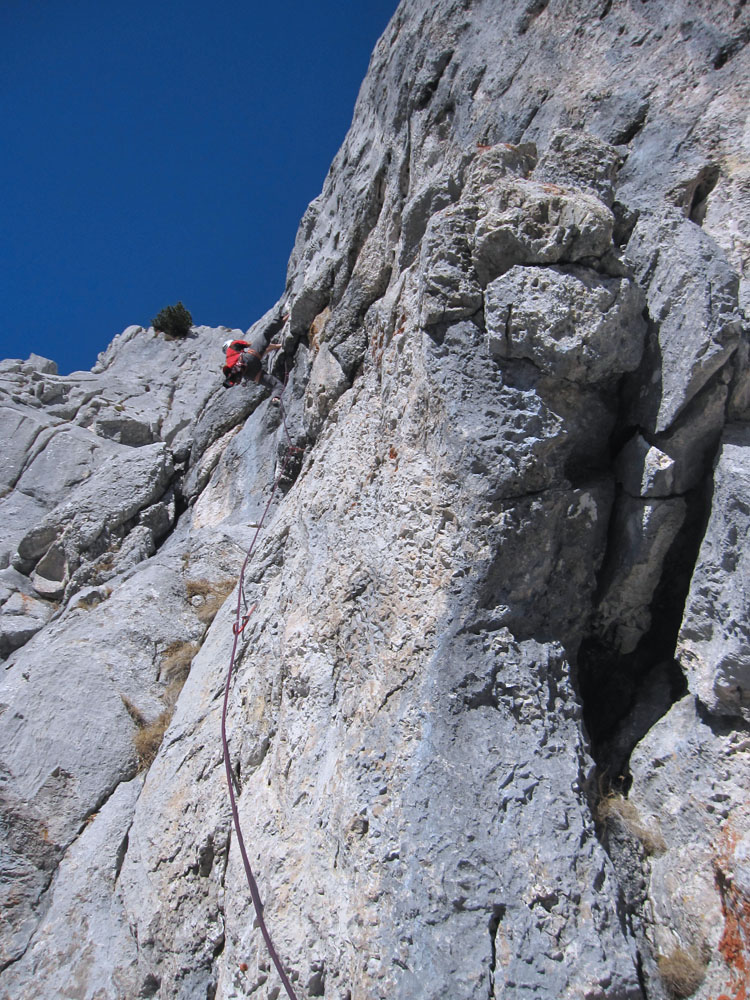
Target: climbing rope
<point>238,626</point>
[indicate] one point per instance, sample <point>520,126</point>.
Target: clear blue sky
<point>157,150</point>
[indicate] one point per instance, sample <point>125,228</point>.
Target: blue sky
<point>158,150</point>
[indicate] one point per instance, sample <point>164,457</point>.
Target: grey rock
<point>85,897</point>
<point>418,211</point>
<point>200,472</point>
<point>23,428</point>
<point>13,582</point>
<point>619,116</point>
<point>714,645</point>
<point>501,220</point>
<point>652,698</point>
<point>386,822</point>
<point>511,433</point>
<point>93,519</point>
<point>36,363</point>
<point>125,430</point>
<point>571,324</point>
<point>414,781</point>
<point>697,818</point>
<point>739,400</point>
<point>694,437</point>
<point>51,574</point>
<point>581,161</point>
<point>527,222</point>
<point>529,596</point>
<point>691,294</point>
<point>63,457</point>
<point>223,412</point>
<point>644,470</point>
<point>450,289</point>
<point>643,531</point>
<point>21,616</point>
<point>68,744</point>
<point>17,511</point>
<point>327,383</point>
<point>491,166</point>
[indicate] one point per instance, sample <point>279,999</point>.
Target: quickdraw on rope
<point>238,627</point>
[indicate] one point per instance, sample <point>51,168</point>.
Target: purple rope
<point>237,629</point>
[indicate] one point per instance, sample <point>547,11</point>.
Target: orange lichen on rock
<point>734,945</point>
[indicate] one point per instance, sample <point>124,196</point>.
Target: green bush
<point>175,321</point>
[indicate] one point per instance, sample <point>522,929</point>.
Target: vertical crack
<point>498,913</point>
<point>625,694</point>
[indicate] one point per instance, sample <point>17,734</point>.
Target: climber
<point>244,361</point>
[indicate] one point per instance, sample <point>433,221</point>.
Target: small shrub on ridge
<point>174,321</point>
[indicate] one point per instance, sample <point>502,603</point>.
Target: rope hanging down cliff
<point>240,622</point>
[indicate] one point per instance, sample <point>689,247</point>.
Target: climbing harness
<point>238,626</point>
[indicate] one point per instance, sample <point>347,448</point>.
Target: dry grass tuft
<point>214,593</point>
<point>135,713</point>
<point>147,739</point>
<point>616,805</point>
<point>148,736</point>
<point>176,660</point>
<point>682,972</point>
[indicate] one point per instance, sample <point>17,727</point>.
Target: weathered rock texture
<point>490,720</point>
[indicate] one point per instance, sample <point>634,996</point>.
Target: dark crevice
<point>529,117</point>
<point>641,973</point>
<point>625,694</point>
<point>498,913</point>
<point>731,48</point>
<point>625,221</point>
<point>533,9</point>
<point>122,850</point>
<point>427,90</point>
<point>478,74</point>
<point>150,987</point>
<point>704,185</point>
<point>634,126</point>
<point>236,773</point>
<point>205,860</point>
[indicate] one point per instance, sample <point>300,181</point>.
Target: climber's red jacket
<point>234,353</point>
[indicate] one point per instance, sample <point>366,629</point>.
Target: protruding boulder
<point>693,438</point>
<point>644,470</point>
<point>450,289</point>
<point>21,616</point>
<point>579,160</point>
<point>691,295</point>
<point>572,324</point>
<point>36,363</point>
<point>528,222</point>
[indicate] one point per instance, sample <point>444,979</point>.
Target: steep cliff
<point>491,716</point>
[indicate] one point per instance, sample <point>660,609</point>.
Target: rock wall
<point>490,720</point>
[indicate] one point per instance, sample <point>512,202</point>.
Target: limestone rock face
<point>713,644</point>
<point>489,719</point>
<point>594,330</point>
